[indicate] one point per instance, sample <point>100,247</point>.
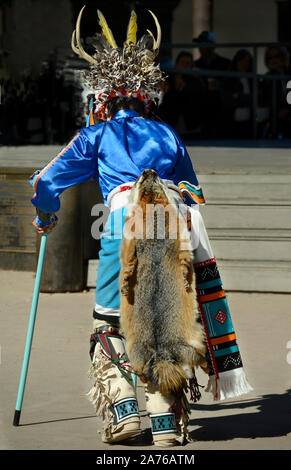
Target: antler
<point>78,49</point>
<point>157,41</point>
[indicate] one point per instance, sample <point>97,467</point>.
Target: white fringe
<point>231,383</point>
<point>101,395</point>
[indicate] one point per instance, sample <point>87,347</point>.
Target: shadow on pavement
<point>271,418</point>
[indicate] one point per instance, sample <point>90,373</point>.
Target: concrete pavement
<point>56,413</point>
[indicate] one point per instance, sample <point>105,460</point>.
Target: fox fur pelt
<point>159,314</point>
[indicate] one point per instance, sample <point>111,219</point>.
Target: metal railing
<point>254,75</point>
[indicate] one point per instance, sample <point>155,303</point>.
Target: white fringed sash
<point>230,384</point>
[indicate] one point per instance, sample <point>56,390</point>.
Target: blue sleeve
<point>185,176</point>
<point>75,164</point>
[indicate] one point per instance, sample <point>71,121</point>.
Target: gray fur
<point>159,315</point>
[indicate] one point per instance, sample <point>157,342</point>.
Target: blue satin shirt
<point>114,152</point>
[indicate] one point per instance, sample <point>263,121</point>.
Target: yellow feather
<point>132,29</point>
<point>106,30</point>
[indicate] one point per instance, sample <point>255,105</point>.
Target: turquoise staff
<point>32,317</point>
<point>30,330</point>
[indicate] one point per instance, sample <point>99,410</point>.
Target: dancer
<point>125,82</point>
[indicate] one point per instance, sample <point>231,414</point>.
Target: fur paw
<point>124,289</point>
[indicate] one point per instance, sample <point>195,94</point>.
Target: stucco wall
<point>245,20</point>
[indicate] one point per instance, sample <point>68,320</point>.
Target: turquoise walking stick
<point>32,318</point>
<point>30,330</point>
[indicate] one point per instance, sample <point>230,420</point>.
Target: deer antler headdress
<point>114,71</point>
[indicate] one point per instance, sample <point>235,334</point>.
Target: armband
<point>43,219</point>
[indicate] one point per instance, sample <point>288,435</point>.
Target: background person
<point>183,100</point>
<point>211,60</point>
<point>277,62</point>
<point>237,98</point>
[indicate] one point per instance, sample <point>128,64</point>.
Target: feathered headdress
<point>126,71</point>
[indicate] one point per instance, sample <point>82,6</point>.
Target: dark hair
<point>125,102</point>
<point>183,54</point>
<point>240,55</point>
<point>281,51</point>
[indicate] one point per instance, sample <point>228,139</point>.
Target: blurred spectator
<point>209,58</point>
<point>37,109</point>
<point>183,99</point>
<point>277,62</point>
<point>212,115</point>
<point>47,109</point>
<point>237,97</point>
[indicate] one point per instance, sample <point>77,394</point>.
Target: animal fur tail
<point>167,376</point>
